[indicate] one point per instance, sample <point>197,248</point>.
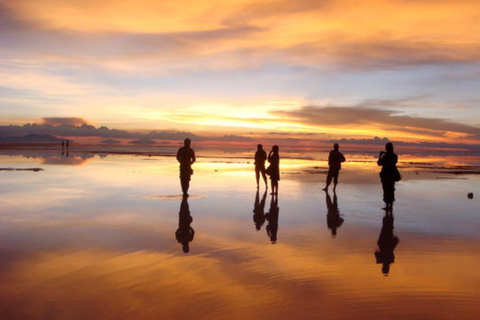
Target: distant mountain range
<point>44,133</point>
<point>32,138</point>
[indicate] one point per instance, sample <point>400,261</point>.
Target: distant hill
<point>143,141</point>
<point>110,141</point>
<point>32,138</point>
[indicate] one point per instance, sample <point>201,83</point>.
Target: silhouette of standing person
<point>335,159</point>
<point>186,157</point>
<point>274,168</point>
<point>334,221</point>
<point>387,242</point>
<point>185,232</point>
<point>260,158</point>
<point>389,173</point>
<point>272,218</point>
<point>259,210</point>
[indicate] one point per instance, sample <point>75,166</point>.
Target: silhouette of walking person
<point>389,173</point>
<point>260,158</point>
<point>185,232</point>
<point>272,218</point>
<point>273,169</point>
<point>259,210</point>
<point>334,221</point>
<point>335,159</point>
<point>387,242</point>
<point>186,157</point>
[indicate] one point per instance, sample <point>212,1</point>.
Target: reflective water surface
<point>110,237</point>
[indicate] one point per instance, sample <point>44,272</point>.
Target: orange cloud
<point>363,120</point>
<point>369,33</point>
<point>58,121</point>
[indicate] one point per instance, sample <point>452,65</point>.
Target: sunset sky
<point>403,69</point>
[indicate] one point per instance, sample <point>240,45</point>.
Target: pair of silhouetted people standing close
<point>260,158</point>
<point>389,173</point>
<point>335,159</point>
<point>186,157</point>
<point>185,232</point>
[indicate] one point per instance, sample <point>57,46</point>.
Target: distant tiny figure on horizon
<point>273,169</point>
<point>186,157</point>
<point>260,158</point>
<point>335,159</point>
<point>389,173</point>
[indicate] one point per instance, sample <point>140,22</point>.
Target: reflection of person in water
<point>272,218</point>
<point>260,158</point>
<point>335,159</point>
<point>387,242</point>
<point>259,210</point>
<point>274,168</point>
<point>186,157</point>
<point>185,232</point>
<point>389,173</point>
<point>334,221</point>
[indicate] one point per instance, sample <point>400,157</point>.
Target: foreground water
<point>101,238</point>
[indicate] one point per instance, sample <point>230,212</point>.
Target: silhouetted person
<point>387,242</point>
<point>389,173</point>
<point>274,168</point>
<point>260,158</point>
<point>259,210</point>
<point>186,157</point>
<point>334,221</point>
<point>272,218</point>
<point>335,159</point>
<point>185,232</point>
<point>67,144</point>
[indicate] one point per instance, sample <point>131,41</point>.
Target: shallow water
<point>92,237</point>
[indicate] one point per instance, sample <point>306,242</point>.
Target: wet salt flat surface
<point>96,237</point>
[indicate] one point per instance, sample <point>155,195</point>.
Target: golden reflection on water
<point>246,282</point>
<point>85,242</point>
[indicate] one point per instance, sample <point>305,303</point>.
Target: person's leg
<point>185,182</point>
<point>335,179</point>
<point>257,174</point>
<point>264,176</point>
<point>329,179</point>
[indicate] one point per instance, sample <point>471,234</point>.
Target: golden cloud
<point>368,33</point>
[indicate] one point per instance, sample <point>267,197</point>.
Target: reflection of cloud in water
<point>168,197</point>
<point>72,161</point>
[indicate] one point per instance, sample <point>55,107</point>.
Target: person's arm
<point>193,157</point>
<point>380,158</point>
<point>342,158</point>
<point>179,157</point>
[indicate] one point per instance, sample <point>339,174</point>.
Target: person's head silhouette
<point>336,146</point>
<point>187,142</point>
<point>389,147</point>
